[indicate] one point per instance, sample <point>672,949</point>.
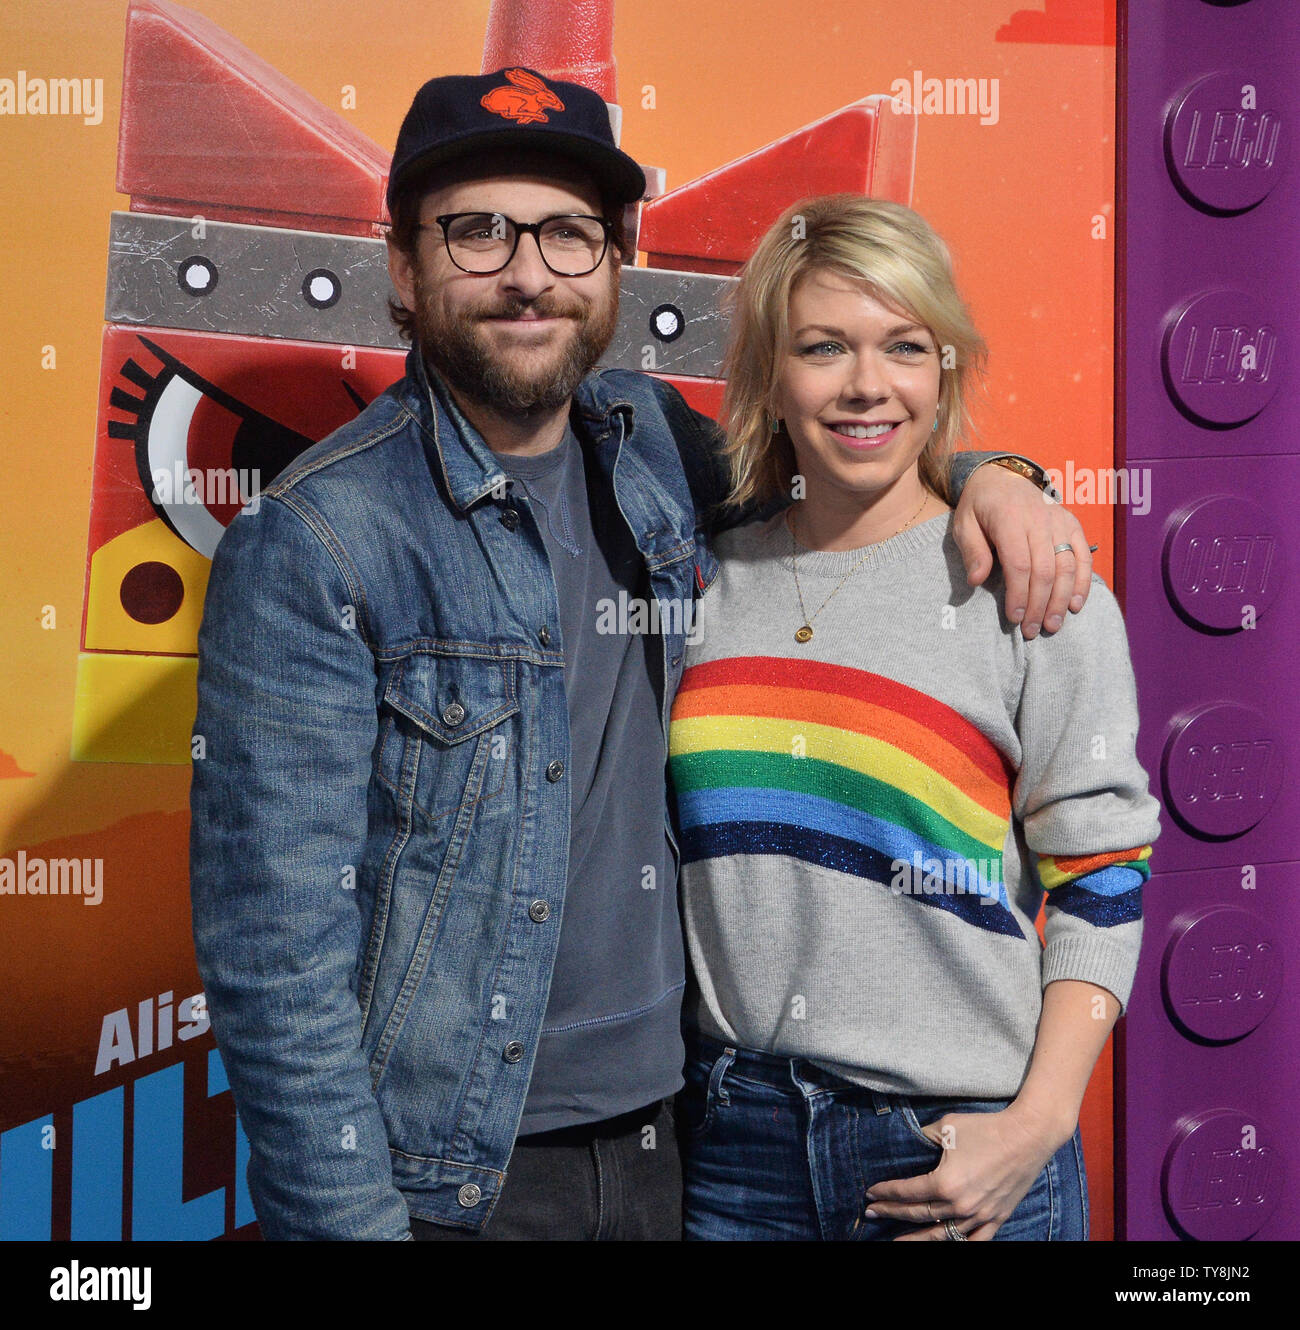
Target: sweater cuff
<point>1095,959</point>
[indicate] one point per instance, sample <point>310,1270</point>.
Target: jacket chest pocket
<point>443,745</point>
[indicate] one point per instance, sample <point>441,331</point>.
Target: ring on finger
<point>954,1233</point>
<point>1067,548</point>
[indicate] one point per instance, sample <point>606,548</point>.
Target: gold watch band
<point>1029,470</point>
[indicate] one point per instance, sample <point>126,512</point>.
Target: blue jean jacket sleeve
<point>287,720</point>
<point>961,465</point>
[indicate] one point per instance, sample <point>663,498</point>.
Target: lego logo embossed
<point>1222,770</point>
<point>1225,141</point>
<point>1221,973</point>
<point>1221,358</point>
<point>1221,1178</point>
<point>1224,560</point>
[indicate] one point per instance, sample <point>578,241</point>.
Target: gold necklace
<point>805,633</point>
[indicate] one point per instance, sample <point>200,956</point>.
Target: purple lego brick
<point>1205,1147</point>
<point>1209,310</point>
<point>1219,711</point>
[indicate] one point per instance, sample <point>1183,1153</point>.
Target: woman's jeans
<point>776,1148</point>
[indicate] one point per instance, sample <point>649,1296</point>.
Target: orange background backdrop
<point>1017,201</point>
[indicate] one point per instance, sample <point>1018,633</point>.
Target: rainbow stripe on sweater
<point>1101,889</point>
<point>856,772</point>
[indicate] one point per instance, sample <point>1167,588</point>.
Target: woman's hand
<point>990,1161</point>
<point>1001,508</point>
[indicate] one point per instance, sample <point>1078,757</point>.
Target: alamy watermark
<point>39,96</point>
<point>22,876</point>
<point>922,876</point>
<point>1129,486</point>
<point>215,485</point>
<point>632,614</point>
<point>75,1282</point>
<point>948,96</point>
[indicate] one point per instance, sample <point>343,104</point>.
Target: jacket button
<point>539,912</point>
<point>544,635</point>
<point>554,770</point>
<point>510,519</point>
<point>513,1051</point>
<point>469,1195</point>
<point>454,714</point>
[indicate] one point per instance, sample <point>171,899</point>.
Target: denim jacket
<point>380,798</point>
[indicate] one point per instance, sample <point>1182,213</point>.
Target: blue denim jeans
<point>777,1148</point>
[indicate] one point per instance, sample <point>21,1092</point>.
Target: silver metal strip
<point>252,280</point>
<point>260,281</point>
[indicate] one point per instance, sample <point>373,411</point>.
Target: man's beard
<point>457,350</point>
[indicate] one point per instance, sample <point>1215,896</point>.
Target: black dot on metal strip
<point>197,276</point>
<point>667,322</point>
<point>321,288</point>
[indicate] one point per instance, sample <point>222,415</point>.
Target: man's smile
<point>525,320</point>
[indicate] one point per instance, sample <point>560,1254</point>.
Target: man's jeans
<point>776,1147</point>
<point>619,1180</point>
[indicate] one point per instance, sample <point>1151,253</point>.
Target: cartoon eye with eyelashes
<point>162,426</point>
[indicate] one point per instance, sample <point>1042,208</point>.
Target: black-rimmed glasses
<point>571,245</point>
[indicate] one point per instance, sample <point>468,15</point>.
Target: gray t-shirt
<point>611,1038</point>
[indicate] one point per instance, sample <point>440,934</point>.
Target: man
<point>433,877</point>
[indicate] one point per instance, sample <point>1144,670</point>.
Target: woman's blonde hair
<point>890,249</point>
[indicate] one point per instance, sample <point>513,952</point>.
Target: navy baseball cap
<point>459,114</point>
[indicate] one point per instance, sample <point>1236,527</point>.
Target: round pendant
<point>803,634</point>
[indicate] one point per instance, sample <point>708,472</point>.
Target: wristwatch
<point>1030,470</point>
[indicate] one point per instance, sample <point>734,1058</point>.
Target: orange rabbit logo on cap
<point>525,101</point>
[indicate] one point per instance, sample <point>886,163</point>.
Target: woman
<point>875,777</point>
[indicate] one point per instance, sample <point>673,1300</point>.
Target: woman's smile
<point>864,436</point>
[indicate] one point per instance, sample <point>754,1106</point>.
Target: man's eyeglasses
<point>572,245</point>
